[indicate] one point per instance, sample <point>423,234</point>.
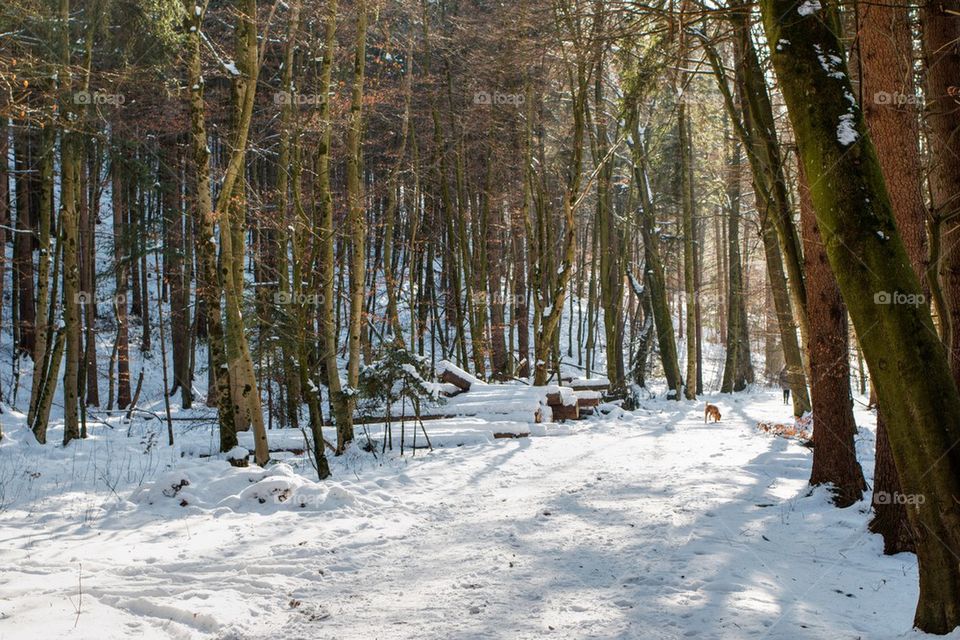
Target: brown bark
<point>28,187</point>
<point>888,93</point>
<point>941,59</point>
<point>173,267</point>
<point>121,257</point>
<point>834,428</point>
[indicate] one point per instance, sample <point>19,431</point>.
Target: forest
<point>398,318</point>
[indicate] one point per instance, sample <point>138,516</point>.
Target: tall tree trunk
<point>494,259</point>
<point>230,211</point>
<point>341,408</point>
<point>546,277</point>
<point>39,330</point>
<point>288,313</point>
<point>173,268</point>
<point>888,93</point>
<point>4,201</point>
<point>28,187</point>
<point>88,209</point>
<point>122,250</point>
<point>834,451</point>
<point>356,222</point>
<point>906,358</point>
<point>735,365</point>
<point>69,171</point>
<point>941,59</point>
<point>689,247</point>
<point>609,240</point>
<point>520,313</point>
<point>205,219</point>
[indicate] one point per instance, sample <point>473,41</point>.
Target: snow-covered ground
<point>647,525</point>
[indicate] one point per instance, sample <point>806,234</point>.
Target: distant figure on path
<point>785,385</point>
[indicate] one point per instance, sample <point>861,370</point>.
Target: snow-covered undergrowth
<point>649,524</point>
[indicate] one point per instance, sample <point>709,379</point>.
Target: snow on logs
<point>473,397</point>
<point>450,373</point>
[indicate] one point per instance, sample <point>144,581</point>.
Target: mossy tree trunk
<point>208,289</point>
<point>906,358</point>
<point>229,212</point>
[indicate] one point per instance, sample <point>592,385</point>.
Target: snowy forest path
<point>653,526</point>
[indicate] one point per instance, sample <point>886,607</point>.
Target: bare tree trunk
<point>28,187</point>
<point>88,284</point>
<point>609,240</point>
<point>689,241</point>
<point>39,330</point>
<point>287,310</point>
<point>341,408</point>
<point>494,259</point>
<point>69,164</point>
<point>356,222</point>
<point>737,363</point>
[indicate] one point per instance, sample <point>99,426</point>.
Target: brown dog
<point>711,411</point>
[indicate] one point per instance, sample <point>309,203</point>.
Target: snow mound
<point>216,486</point>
